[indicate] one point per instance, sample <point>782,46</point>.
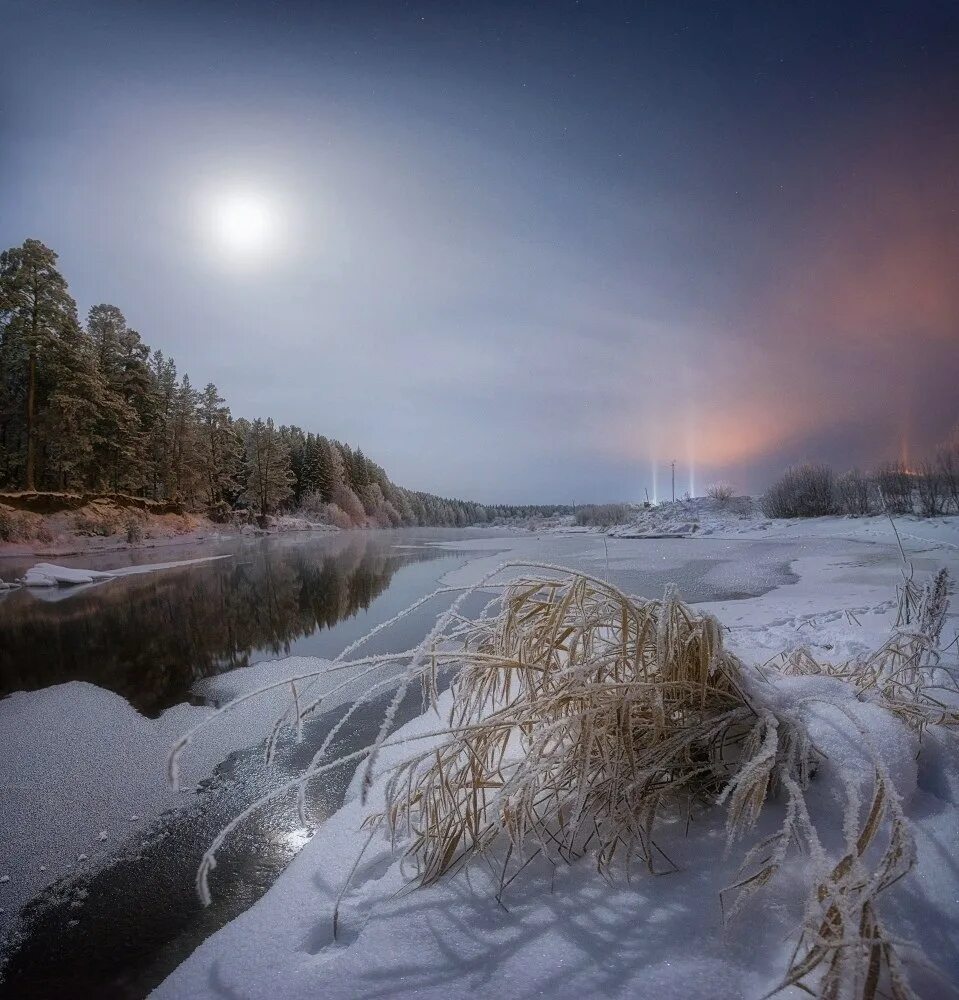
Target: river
<point>118,929</point>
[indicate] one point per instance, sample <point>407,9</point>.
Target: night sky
<point>521,252</point>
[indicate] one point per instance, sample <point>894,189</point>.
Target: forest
<point>92,408</point>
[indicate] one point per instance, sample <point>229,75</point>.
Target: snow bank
<point>82,771</point>
<point>51,575</point>
<point>78,761</point>
<point>568,933</point>
<point>742,517</point>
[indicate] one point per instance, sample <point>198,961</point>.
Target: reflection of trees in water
<point>149,638</point>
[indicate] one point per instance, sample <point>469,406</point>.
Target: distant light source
<point>244,225</point>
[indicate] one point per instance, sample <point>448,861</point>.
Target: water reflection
<point>149,638</point>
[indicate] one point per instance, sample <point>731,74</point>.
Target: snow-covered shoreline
<point>570,933</point>
<point>111,763</point>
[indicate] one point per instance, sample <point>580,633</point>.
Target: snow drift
<point>585,731</point>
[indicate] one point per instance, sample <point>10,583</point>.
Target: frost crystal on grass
<point>582,718</point>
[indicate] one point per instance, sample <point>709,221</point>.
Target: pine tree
<point>358,473</point>
<point>35,307</point>
<point>119,430</point>
<point>72,416</point>
<point>186,474</point>
<point>105,323</point>
<point>135,386</point>
<point>295,441</point>
<point>219,449</point>
<point>400,499</point>
<point>329,468</point>
<point>160,438</point>
<point>308,474</point>
<point>270,479</point>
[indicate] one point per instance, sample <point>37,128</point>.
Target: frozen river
<point>120,922</point>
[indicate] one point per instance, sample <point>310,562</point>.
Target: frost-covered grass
<point>584,726</point>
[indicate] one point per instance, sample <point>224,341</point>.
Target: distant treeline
<point>92,408</point>
<point>814,490</point>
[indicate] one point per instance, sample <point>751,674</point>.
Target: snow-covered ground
<point>569,932</point>
<point>83,770</point>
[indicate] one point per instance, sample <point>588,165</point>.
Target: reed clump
<point>906,673</point>
<point>578,717</point>
<point>582,719</point>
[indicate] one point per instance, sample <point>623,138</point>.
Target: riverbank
<point>64,524</point>
<point>98,680</point>
<point>775,589</point>
<point>568,931</point>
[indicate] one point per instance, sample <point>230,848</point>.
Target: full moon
<point>243,224</point>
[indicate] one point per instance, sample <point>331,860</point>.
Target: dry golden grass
<point>906,671</point>
<point>578,715</point>
<point>582,718</point>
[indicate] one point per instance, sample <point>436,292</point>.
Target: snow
<point>563,934</point>
<point>52,575</point>
<point>571,934</point>
<point>742,517</point>
<point>77,758</point>
<point>83,772</point>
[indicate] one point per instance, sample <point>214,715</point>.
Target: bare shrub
<point>313,504</point>
<point>895,484</point>
<point>721,492</point>
<point>11,525</point>
<point>23,526</point>
<point>742,506</point>
<point>947,461</point>
<point>855,494</point>
<point>220,512</point>
<point>802,491</point>
<point>350,504</point>
<point>94,525</point>
<point>930,490</point>
<point>338,516</point>
<point>602,515</point>
<point>183,524</point>
<point>134,529</point>
<point>386,515</point>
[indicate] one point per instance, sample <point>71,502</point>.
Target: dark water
<point>150,637</point>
